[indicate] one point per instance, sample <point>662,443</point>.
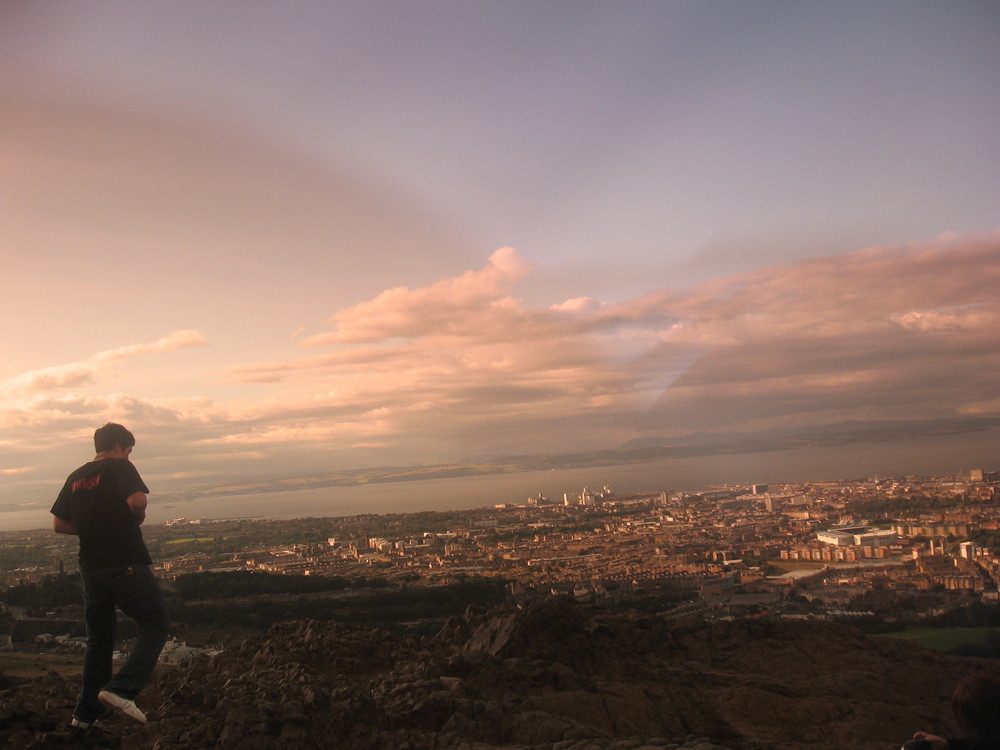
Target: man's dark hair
<point>107,437</point>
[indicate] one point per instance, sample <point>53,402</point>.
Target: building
<point>858,536</point>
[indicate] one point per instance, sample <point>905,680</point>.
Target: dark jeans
<point>135,591</point>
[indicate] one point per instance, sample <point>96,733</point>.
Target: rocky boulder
<point>552,675</point>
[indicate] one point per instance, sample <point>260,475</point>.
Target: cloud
<point>889,332</point>
<point>450,306</point>
<point>981,408</point>
<point>168,343</point>
<point>46,409</point>
<point>886,332</point>
<point>577,304</point>
<point>462,366</point>
<point>949,319</point>
<point>73,411</point>
<point>76,374</point>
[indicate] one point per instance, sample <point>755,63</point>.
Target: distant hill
<point>551,675</point>
<point>642,450</point>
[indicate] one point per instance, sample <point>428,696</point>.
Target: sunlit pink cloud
<point>865,335</point>
<point>451,306</point>
<point>906,332</point>
<point>75,374</point>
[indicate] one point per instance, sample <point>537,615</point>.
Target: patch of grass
<point>942,639</point>
<point>24,666</point>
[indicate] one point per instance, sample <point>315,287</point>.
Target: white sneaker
<point>81,724</point>
<point>123,705</point>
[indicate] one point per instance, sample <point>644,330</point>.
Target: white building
<point>857,536</point>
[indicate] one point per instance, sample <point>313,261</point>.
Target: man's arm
<point>62,526</point>
<point>137,503</point>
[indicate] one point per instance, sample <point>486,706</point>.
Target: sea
<point>949,456</point>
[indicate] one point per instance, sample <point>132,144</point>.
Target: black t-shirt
<point>94,501</point>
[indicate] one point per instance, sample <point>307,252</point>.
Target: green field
<point>942,639</point>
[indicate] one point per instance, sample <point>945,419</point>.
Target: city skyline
<point>308,238</point>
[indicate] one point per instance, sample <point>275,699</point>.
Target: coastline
<point>948,455</point>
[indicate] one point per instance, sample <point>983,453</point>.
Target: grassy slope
<point>942,639</point>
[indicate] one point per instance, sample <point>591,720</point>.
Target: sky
<point>285,238</point>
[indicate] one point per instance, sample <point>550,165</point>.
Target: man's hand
<point>137,503</point>
<point>938,743</point>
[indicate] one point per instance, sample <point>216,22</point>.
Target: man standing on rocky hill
<point>104,504</point>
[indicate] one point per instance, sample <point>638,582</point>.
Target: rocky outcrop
<point>551,676</point>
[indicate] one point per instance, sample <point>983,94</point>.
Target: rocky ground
<point>550,676</point>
